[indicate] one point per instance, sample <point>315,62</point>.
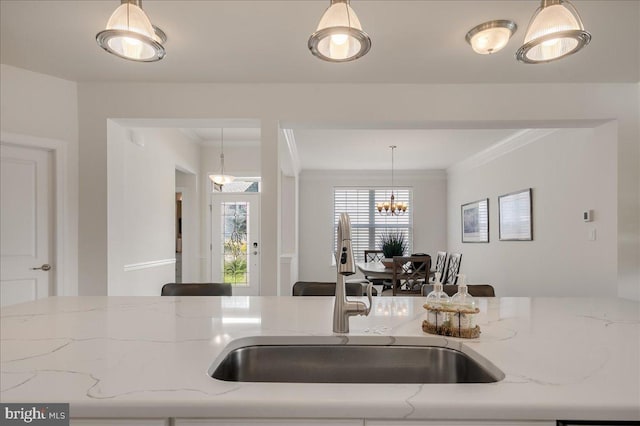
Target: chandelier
<point>392,207</point>
<point>221,178</point>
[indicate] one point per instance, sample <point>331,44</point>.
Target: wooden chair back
<point>314,288</point>
<point>373,255</point>
<point>196,289</point>
<point>409,273</point>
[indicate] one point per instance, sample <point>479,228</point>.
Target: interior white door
<point>26,224</point>
<point>235,236</point>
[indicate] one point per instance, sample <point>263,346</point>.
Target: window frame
<point>373,194</point>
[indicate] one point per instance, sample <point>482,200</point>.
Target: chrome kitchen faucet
<point>343,308</point>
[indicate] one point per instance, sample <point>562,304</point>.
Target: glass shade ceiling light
<point>339,36</point>
<point>492,36</point>
<point>391,207</point>
<point>555,31</point>
<point>130,35</point>
<point>221,178</point>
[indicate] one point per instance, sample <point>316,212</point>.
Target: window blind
<point>366,223</point>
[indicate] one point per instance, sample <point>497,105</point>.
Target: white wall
<point>44,106</point>
<point>402,105</point>
<point>142,207</point>
<point>316,214</point>
<point>187,183</point>
<point>39,105</point>
<point>569,171</point>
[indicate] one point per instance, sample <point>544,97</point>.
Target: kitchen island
<point>147,358</point>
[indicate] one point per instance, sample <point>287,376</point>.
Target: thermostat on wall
<point>587,215</point>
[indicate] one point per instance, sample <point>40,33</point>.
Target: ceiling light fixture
<point>391,207</point>
<point>221,178</point>
<point>130,34</point>
<point>492,36</point>
<point>555,31</point>
<point>339,36</point>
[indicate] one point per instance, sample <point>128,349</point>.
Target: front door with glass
<point>235,249</point>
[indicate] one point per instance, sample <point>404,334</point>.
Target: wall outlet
<point>587,215</point>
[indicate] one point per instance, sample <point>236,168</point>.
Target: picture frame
<point>515,211</point>
<point>475,221</point>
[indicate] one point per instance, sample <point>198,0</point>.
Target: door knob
<point>45,267</point>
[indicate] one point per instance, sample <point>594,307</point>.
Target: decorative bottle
<point>437,298</point>
<point>462,300</point>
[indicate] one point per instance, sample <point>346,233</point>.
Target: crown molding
<point>191,135</point>
<point>510,144</point>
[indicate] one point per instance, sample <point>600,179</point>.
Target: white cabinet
<point>119,422</point>
<point>460,423</point>
<point>267,422</point>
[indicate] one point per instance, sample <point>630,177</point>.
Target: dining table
<point>375,270</point>
<point>378,271</point>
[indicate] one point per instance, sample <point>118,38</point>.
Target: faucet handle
<point>370,297</point>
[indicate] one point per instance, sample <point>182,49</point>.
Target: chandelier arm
<point>393,148</point>
<point>390,207</point>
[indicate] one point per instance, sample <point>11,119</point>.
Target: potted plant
<point>392,243</point>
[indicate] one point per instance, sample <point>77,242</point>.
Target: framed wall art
<point>475,222</point>
<point>515,216</point>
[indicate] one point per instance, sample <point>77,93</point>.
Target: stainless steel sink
<point>364,359</point>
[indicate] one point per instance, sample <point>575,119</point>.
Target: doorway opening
<point>178,237</point>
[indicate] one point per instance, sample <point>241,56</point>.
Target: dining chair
<point>453,269</point>
<point>475,290</point>
<point>441,261</point>
<point>373,255</point>
<point>196,289</point>
<point>409,273</point>
<point>316,288</point>
<point>376,256</point>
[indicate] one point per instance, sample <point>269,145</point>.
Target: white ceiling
<point>264,41</point>
<point>209,136</point>
<point>356,149</point>
<point>368,149</point>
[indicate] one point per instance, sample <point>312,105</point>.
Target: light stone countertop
<point>564,358</point>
